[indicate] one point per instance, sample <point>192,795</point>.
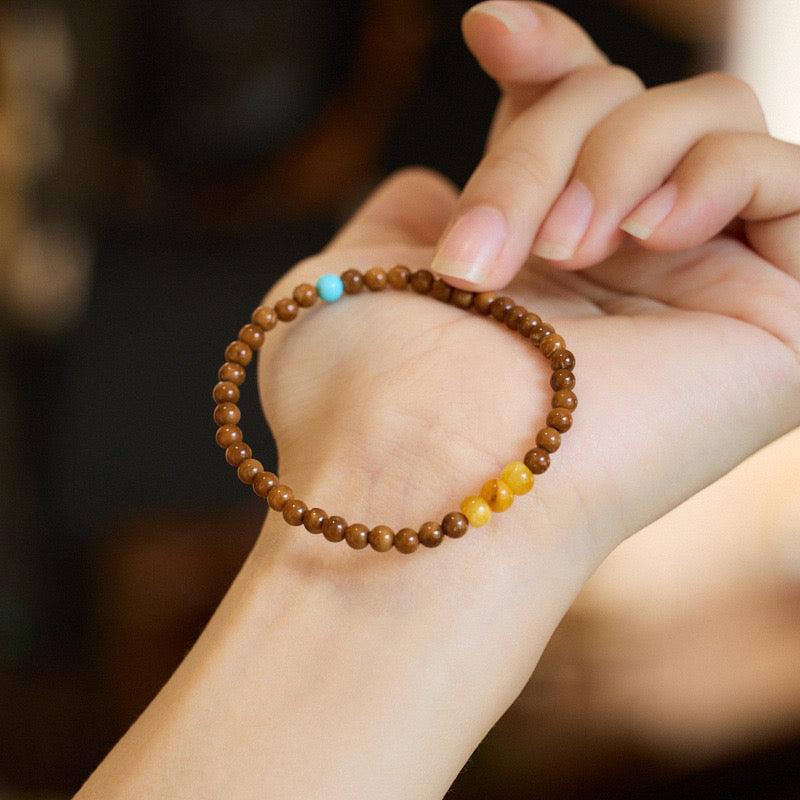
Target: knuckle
<point>521,164</point>
<point>736,88</point>
<point>613,77</point>
<point>418,179</point>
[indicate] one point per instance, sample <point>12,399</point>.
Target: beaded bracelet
<point>497,494</point>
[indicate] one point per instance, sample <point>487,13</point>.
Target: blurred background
<point>161,164</point>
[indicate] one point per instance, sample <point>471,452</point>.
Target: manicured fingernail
<point>472,244</point>
<point>651,212</point>
<point>566,224</point>
<point>515,17</point>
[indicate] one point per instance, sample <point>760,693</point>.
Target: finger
<point>631,153</point>
<point>521,175</point>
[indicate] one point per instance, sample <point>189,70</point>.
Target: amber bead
<point>476,510</point>
<point>441,291</point>
<point>230,372</point>
<point>398,277</point>
<point>537,334</point>
<point>239,352</point>
<point>537,460</point>
<point>252,335</point>
<point>305,295</point>
<point>287,309</point>
<point>548,439</point>
<point>278,496</point>
<point>227,414</point>
<point>515,316</point>
<point>461,298</point>
<point>353,281</point>
<point>560,419</point>
<point>381,538</point>
<point>334,528</point>
<point>551,344</point>
<point>422,282</point>
<point>529,323</point>
<point>497,494</point>
<point>248,469</point>
<point>455,524</point>
<point>565,398</point>
<point>517,477</point>
<point>483,301</point>
<point>294,511</point>
<point>357,536</point>
<point>562,379</point>
<point>237,452</point>
<point>265,317</point>
<point>501,306</point>
<point>406,540</point>
<point>264,482</point>
<point>226,392</point>
<point>430,534</point>
<point>375,279</point>
<point>562,359</point>
<point>228,435</point>
<point>314,519</point>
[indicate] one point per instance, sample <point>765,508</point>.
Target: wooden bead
<point>461,298</point>
<point>375,279</point>
<point>263,483</point>
<point>287,309</point>
<point>537,334</point>
<point>517,477</point>
<point>501,306</point>
<point>353,281</point>
<point>305,295</point>
<point>237,452</point>
<point>551,344</point>
<point>226,392</point>
<point>455,524</point>
<point>515,316</point>
<point>430,534</point>
<point>381,538</point>
<point>565,398</point>
<point>548,439</point>
<point>279,496</point>
<point>294,511</point>
<point>497,494</point>
<point>231,372</point>
<point>357,536</point>
<point>252,335</point>
<point>476,510</point>
<point>227,414</point>
<point>265,317</point>
<point>399,276</point>
<point>562,359</point>
<point>421,282</point>
<point>483,301</point>
<point>529,323</point>
<point>314,520</point>
<point>248,469</point>
<point>537,460</point>
<point>239,352</point>
<point>406,540</point>
<point>560,419</point>
<point>228,435</point>
<point>562,379</point>
<point>334,528</point>
<point>441,291</point>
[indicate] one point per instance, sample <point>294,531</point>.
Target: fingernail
<point>566,224</point>
<point>651,212</point>
<point>472,244</point>
<point>515,17</point>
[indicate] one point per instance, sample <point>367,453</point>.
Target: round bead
<point>565,398</point>
<point>441,291</point>
<point>334,528</point>
<point>431,534</point>
<point>248,469</point>
<point>227,435</point>
<point>230,372</point>
<point>548,439</point>
<point>237,452</point>
<point>353,281</point>
<point>375,279</point>
<point>265,317</point>
<point>406,540</point>
<point>515,316</point>
<point>287,309</point>
<point>537,334</point>
<point>562,359</point>
<point>294,511</point>
<point>455,524</point>
<point>483,301</point>
<point>562,379</point>
<point>264,482</point>
<point>381,538</point>
<point>330,287</point>
<point>239,352</point>
<point>497,494</point>
<point>305,295</point>
<point>551,344</point>
<point>560,419</point>
<point>422,282</point>
<point>537,460</point>
<point>314,519</point>
<point>227,414</point>
<point>357,536</point>
<point>252,335</point>
<point>529,323</point>
<point>517,477</point>
<point>226,392</point>
<point>461,298</point>
<point>501,306</point>
<point>476,510</point>
<point>279,496</point>
<point>399,276</point>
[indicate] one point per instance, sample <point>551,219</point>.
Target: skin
<point>333,673</point>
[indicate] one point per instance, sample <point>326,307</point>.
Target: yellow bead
<point>517,477</point>
<point>476,510</point>
<point>497,494</point>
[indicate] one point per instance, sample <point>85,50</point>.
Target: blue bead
<point>330,287</point>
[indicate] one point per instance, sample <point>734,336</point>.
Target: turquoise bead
<point>330,287</point>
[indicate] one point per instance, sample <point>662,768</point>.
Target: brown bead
<point>560,419</point>
<point>441,291</point>
<point>422,282</point>
<point>562,379</point>
<point>265,317</point>
<point>334,528</point>
<point>287,309</point>
<point>375,279</point>
<point>227,414</point>
<point>431,534</point>
<point>230,372</point>
<point>381,538</point>
<point>314,519</point>
<point>226,392</point>
<point>353,281</point>
<point>483,301</point>
<point>501,306</point>
<point>455,524</point>
<point>264,482</point>
<point>551,344</point>
<point>357,536</point>
<point>305,295</point>
<point>515,316</point>
<point>565,398</point>
<point>461,298</point>
<point>294,511</point>
<point>278,496</point>
<point>548,439</point>
<point>248,470</point>
<point>562,359</point>
<point>537,460</point>
<point>529,323</point>
<point>399,276</point>
<point>406,540</point>
<point>239,352</point>
<point>228,435</point>
<point>252,335</point>
<point>237,452</point>
<point>537,334</point>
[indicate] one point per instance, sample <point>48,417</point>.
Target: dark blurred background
<point>163,163</point>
